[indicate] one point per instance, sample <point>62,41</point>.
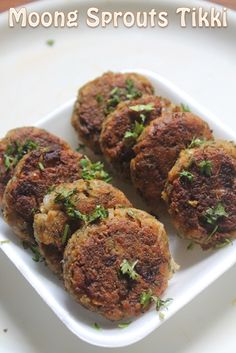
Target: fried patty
<point>201,194</point>
<point>99,97</point>
<point>122,128</point>
<point>158,149</point>
<point>16,144</point>
<point>34,175</point>
<point>95,254</point>
<point>63,212</point>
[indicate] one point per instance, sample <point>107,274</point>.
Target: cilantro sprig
<point>15,152</point>
<point>119,94</point>
<point>127,268</point>
<point>196,142</point>
<point>95,170</point>
<point>184,174</point>
<point>65,198</point>
<point>205,167</point>
<point>137,129</point>
<point>212,216</point>
<point>185,108</point>
<point>147,297</point>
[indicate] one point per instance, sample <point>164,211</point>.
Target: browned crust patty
<point>158,149</point>
<point>54,225</point>
<point>201,194</point>
<point>16,144</point>
<point>99,97</point>
<point>34,175</point>
<point>132,116</point>
<point>93,257</point>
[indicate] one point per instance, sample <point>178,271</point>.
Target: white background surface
<point>35,79</point>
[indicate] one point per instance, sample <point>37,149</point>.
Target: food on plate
<point>122,128</point>
<point>35,174</point>
<point>99,97</point>
<point>201,194</point>
<point>17,143</point>
<point>66,209</point>
<point>159,147</point>
<point>109,266</point>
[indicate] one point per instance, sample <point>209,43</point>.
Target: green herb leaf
<point>119,94</point>
<point>137,130</point>
<point>196,142</point>
<point>190,246</point>
<point>99,98</point>
<point>224,243</point>
<point>15,152</point>
<point>161,315</point>
<point>96,326</point>
<point>142,107</point>
<point>186,174</point>
<point>35,249</point>
<point>131,91</point>
<point>66,234</point>
<point>4,242</point>
<point>80,147</point>
<point>95,170</point>
<point>146,298</point>
<point>99,213</point>
<point>65,198</point>
<point>127,267</point>
<point>185,107</point>
<point>124,324</point>
<point>213,214</point>
<point>205,167</point>
<point>41,166</point>
<point>50,42</point>
<point>160,303</point>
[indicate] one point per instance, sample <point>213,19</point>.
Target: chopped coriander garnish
<point>4,241</point>
<point>99,213</point>
<point>51,189</point>
<point>15,152</point>
<point>137,130</point>
<point>41,166</point>
<point>80,147</point>
<point>127,267</point>
<point>96,326</point>
<point>190,246</point>
<point>161,315</point>
<point>146,298</point>
<point>95,170</point>
<point>186,174</point>
<point>212,215</point>
<point>50,42</point>
<point>99,98</point>
<point>35,249</point>
<point>224,243</point>
<point>124,324</point>
<point>160,303</point>
<point>142,107</point>
<point>196,142</point>
<point>66,234</point>
<point>205,167</point>
<point>119,94</point>
<point>185,107</point>
<point>65,198</point>
<point>132,91</point>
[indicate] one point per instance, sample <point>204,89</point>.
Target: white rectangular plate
<point>198,268</point>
